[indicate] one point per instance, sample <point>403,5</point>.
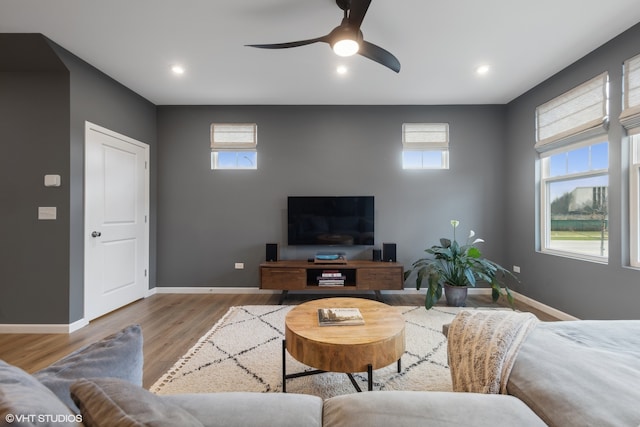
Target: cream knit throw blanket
<point>482,347</point>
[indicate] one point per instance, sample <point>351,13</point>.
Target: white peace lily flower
<point>455,223</point>
<point>478,241</point>
<point>471,234</point>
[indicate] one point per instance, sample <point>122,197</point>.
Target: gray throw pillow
<point>116,356</point>
<point>107,402</point>
<point>25,402</point>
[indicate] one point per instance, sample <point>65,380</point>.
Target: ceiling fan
<point>346,39</point>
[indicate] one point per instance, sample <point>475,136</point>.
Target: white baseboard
<point>42,328</point>
<point>543,307</point>
<point>214,290</point>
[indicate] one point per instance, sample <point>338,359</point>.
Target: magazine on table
<point>340,316</point>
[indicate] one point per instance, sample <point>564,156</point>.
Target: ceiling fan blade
<point>379,55</point>
<point>357,11</point>
<point>289,44</point>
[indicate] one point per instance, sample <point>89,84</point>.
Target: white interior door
<point>116,221</point>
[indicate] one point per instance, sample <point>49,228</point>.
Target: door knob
<point>96,234</point>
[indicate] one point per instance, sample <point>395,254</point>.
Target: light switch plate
<point>52,180</point>
<point>47,212</point>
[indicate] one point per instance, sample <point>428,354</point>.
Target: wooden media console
<point>358,275</point>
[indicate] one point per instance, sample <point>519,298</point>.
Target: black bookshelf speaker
<point>377,255</point>
<point>271,252</point>
<point>389,252</point>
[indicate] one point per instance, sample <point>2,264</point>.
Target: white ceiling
<point>438,43</point>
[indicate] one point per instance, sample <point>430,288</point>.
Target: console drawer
<point>379,278</point>
<point>283,278</point>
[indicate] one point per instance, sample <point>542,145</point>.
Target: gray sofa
<point>570,373</point>
<point>580,373</point>
<point>100,385</point>
<point>564,374</point>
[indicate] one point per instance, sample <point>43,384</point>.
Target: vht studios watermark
<point>42,418</point>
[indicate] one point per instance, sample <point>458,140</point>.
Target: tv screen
<point>333,221</point>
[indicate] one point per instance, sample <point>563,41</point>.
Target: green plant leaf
<point>495,293</point>
<point>470,277</point>
<point>474,252</point>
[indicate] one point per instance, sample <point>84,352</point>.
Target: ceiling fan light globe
<point>346,47</point>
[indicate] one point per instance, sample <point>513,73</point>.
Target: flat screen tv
<point>330,220</point>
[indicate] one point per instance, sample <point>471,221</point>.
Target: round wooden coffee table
<point>348,349</point>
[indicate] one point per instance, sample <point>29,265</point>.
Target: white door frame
<point>88,227</point>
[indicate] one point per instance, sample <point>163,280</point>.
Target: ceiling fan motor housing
<point>344,4</point>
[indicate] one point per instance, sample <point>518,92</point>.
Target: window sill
<point>576,256</point>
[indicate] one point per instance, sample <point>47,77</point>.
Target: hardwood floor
<point>171,324</point>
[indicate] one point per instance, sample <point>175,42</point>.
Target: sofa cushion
<point>579,373</point>
<point>106,402</point>
<point>118,356</point>
<point>21,395</point>
<point>424,408</point>
<point>245,409</point>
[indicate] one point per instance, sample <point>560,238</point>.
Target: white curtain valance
<point>630,116</point>
<point>425,136</point>
<point>580,112</point>
<point>234,136</point>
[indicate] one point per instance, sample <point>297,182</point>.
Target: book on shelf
<point>340,317</point>
<point>335,283</point>
<point>331,281</point>
<point>331,278</point>
<point>331,273</point>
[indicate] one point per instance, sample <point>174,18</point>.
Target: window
<point>233,146</point>
<point>630,119</point>
<point>574,195</point>
<point>574,172</point>
<point>425,146</point>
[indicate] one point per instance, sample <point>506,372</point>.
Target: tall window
<point>233,146</point>
<point>630,119</point>
<point>574,172</point>
<point>425,146</point>
<point>574,194</point>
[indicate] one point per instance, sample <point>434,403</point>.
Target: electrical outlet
<point>516,269</point>
<point>239,265</point>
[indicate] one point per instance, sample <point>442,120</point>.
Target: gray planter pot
<point>456,295</point>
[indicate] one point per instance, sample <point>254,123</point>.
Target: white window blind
<point>425,136</point>
<point>580,112</point>
<point>234,136</point>
<point>630,116</point>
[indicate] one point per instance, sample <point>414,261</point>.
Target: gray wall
<point>583,289</point>
<point>47,94</point>
<point>207,220</point>
<point>34,138</point>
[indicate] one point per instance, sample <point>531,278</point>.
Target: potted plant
<point>455,267</point>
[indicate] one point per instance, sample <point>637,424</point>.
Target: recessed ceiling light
<point>177,69</point>
<point>342,69</point>
<point>482,69</point>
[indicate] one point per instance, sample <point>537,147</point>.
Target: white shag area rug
<point>243,352</point>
